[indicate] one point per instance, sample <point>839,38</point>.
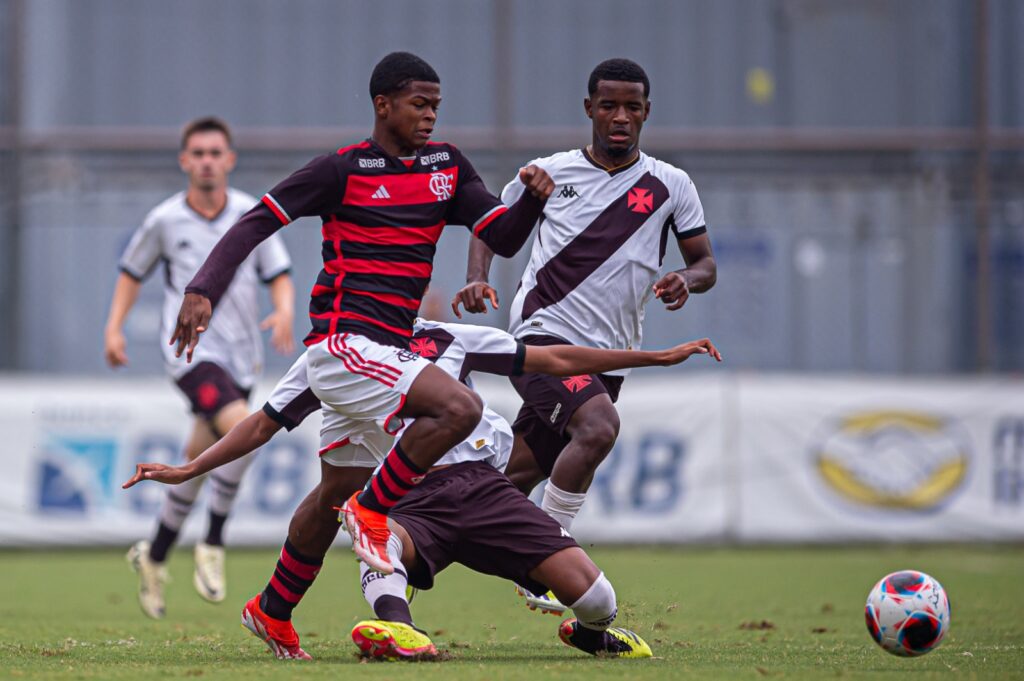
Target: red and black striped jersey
<point>382,217</point>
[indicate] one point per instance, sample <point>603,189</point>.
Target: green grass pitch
<point>708,613</point>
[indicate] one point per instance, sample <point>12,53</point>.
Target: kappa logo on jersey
<point>436,157</point>
<point>569,192</point>
<point>183,244</point>
<point>381,193</point>
<point>640,200</point>
<point>424,347</point>
<point>371,163</point>
<point>441,186</point>
<point>574,384</point>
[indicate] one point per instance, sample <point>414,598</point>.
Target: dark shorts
<point>209,388</point>
<point>469,513</point>
<point>549,403</point>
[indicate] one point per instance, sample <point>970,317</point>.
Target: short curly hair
<point>618,69</point>
<point>396,70</point>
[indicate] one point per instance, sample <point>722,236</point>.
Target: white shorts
<point>362,385</point>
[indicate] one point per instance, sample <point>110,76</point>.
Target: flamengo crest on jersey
<point>599,248</point>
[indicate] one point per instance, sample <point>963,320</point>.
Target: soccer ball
<point>907,613</point>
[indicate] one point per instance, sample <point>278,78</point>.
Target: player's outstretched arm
<point>571,360</point>
<point>252,432</point>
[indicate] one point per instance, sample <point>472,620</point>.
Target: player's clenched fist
<point>193,319</point>
<point>537,181</point>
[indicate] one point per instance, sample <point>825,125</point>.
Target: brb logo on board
<point>893,460</point>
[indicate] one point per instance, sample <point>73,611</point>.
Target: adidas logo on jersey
<point>381,193</point>
<point>569,192</point>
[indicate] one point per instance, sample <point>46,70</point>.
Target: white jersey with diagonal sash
<point>181,238</point>
<point>599,248</point>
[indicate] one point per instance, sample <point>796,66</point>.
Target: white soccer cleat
<point>208,577</point>
<point>546,603</point>
<point>152,577</point>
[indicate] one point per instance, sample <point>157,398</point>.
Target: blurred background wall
<point>861,162</point>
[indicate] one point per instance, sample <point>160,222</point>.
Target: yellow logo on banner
<point>894,459</point>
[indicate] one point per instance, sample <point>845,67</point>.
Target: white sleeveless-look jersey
<point>599,247</point>
<point>182,239</point>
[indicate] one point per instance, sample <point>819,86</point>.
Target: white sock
<point>376,585</point>
<point>224,483</point>
<point>178,503</point>
<point>596,609</point>
<point>561,505</point>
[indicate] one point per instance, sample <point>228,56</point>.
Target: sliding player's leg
<point>443,412</point>
<point>576,580</point>
<point>393,633</point>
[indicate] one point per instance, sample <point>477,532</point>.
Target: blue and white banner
<point>700,457</point>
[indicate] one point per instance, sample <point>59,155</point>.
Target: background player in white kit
<point>594,266</point>
<point>181,231</point>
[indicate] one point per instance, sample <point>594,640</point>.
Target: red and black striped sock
<point>292,577</point>
<point>396,478</point>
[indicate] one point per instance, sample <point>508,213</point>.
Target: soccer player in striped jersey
<point>594,266</point>
<point>383,204</point>
<point>180,232</point>
<point>458,350</point>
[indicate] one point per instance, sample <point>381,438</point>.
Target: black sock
<point>392,609</point>
<point>162,543</point>
<point>590,640</point>
<point>215,534</point>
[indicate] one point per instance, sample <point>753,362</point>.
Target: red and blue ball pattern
<point>907,613</point>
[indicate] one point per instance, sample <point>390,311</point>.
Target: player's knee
<point>597,608</point>
<point>462,412</point>
<point>597,436</point>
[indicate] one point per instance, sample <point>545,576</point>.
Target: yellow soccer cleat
<point>613,642</point>
<point>395,640</point>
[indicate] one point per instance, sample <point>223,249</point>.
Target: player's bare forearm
<point>701,275</point>
<point>478,265</point>
<point>282,295</point>
<point>126,292</point>
<point>701,270</point>
<point>477,291</point>
<point>248,435</point>
<point>570,360</point>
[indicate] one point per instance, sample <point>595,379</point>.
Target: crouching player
<point>466,511</point>
<point>457,349</point>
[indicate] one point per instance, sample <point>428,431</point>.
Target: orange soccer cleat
<point>370,534</point>
<point>279,635</point>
